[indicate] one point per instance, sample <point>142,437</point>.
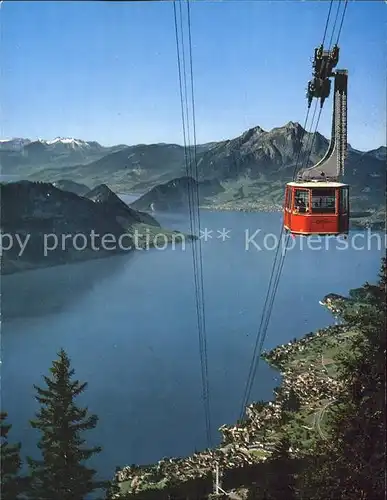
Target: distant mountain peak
<point>294,126</point>
<point>14,139</point>
<point>252,134</point>
<point>14,144</point>
<point>69,141</point>
<point>254,130</point>
<point>65,140</point>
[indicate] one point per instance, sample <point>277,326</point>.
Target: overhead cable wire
<point>326,24</point>
<point>197,263</point>
<point>269,299</point>
<point>262,331</point>
<point>310,138</point>
<point>342,21</point>
<point>196,188</point>
<point>335,23</point>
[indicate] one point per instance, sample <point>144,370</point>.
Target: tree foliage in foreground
<point>11,482</point>
<point>61,474</point>
<point>351,464</point>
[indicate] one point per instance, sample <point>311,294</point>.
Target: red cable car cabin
<point>315,207</point>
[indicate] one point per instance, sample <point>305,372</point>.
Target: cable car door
<point>344,210</point>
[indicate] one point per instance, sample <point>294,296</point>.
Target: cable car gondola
<point>315,207</point>
<point>317,203</point>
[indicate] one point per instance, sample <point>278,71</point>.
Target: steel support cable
<point>266,322</point>
<point>261,338</point>
<point>189,170</point>
<point>334,24</point>
<point>277,279</point>
<point>191,203</point>
<point>311,138</point>
<point>196,187</point>
<point>184,131</point>
<point>326,24</point>
<point>342,21</point>
<point>189,163</point>
<point>276,283</point>
<point>192,223</point>
<point>188,148</point>
<point>185,145</point>
<point>307,156</point>
<point>308,139</point>
<point>256,351</point>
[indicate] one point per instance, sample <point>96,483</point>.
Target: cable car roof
<point>317,184</point>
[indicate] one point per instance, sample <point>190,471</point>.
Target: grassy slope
<point>320,355</point>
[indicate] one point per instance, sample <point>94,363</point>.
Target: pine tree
<point>11,482</point>
<point>351,464</point>
<point>61,474</point>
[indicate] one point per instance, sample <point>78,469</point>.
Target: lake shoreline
<point>14,266</point>
<point>291,361</point>
<point>361,222</point>
<point>134,319</point>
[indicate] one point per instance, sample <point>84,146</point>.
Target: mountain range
<point>251,167</point>
<point>20,156</point>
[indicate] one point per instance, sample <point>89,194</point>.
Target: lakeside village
<point>308,388</point>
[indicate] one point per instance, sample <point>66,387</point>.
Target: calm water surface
<point>129,326</point>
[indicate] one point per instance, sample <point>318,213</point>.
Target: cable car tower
<point>317,202</point>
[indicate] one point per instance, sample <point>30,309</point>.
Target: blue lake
<point>129,325</point>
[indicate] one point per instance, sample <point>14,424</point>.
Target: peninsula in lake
<point>44,225</point>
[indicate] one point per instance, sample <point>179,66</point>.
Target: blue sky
<point>107,71</point>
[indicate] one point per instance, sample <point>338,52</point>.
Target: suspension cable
<point>326,24</point>
<point>197,263</point>
<point>262,331</point>
<point>196,186</point>
<point>281,265</point>
<point>342,21</point>
<point>270,296</point>
<point>311,138</point>
<point>334,24</point>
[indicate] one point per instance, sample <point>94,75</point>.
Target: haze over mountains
<point>22,156</point>
<point>253,166</point>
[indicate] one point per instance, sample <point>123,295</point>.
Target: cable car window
<point>288,201</point>
<point>301,200</point>
<point>324,201</point>
<point>344,200</point>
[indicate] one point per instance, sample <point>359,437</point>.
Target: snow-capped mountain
<point>14,144</point>
<point>17,144</point>
<point>40,153</point>
<point>71,143</point>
